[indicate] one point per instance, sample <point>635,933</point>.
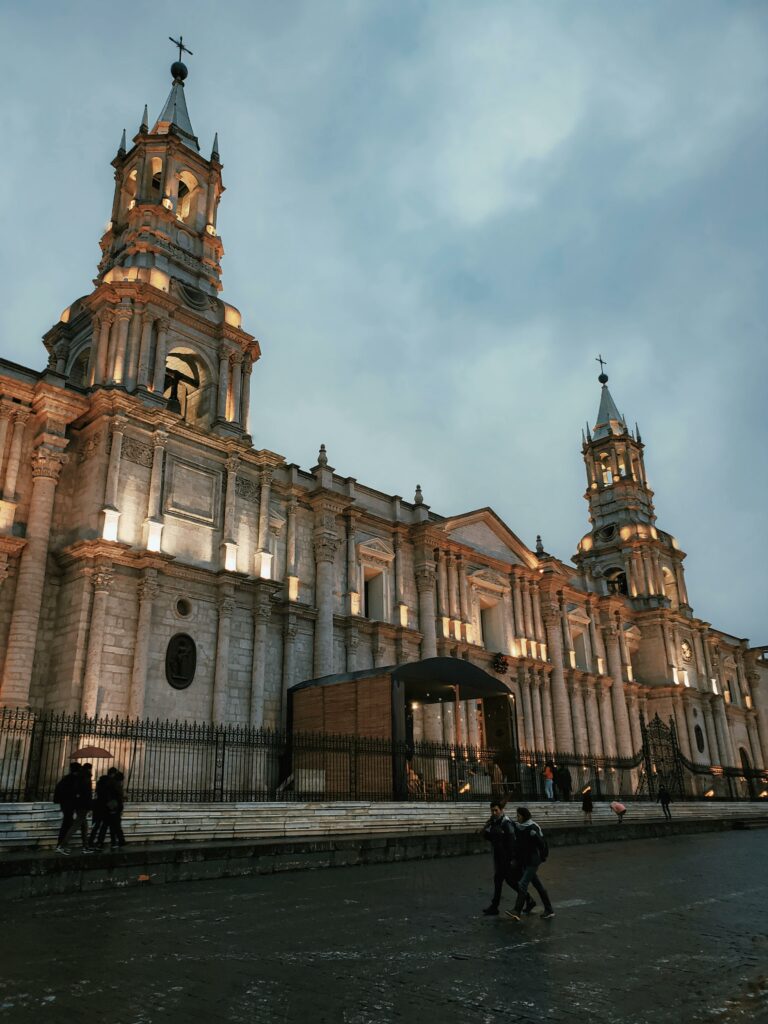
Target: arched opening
<point>699,737</point>
<point>129,190</point>
<point>156,172</point>
<point>78,371</point>
<point>188,389</point>
<point>670,588</point>
<point>189,189</point>
<point>606,473</point>
<point>616,579</point>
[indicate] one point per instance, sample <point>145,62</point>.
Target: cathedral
<point>156,563</point>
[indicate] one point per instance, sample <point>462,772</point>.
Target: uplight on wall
<point>230,556</point>
<point>154,536</point>
<point>111,519</point>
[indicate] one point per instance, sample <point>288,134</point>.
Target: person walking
<point>530,853</point>
<point>101,810</point>
<point>499,832</point>
<point>586,804</point>
<point>549,781</point>
<point>65,795</point>
<point>665,798</point>
<point>80,806</point>
<point>115,804</point>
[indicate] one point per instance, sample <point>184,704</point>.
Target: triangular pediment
<point>375,547</point>
<point>489,535</point>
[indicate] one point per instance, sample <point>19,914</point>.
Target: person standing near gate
<point>665,798</point>
<point>65,795</point>
<point>78,796</point>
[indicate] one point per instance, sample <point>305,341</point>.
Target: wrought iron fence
<point>185,762</point>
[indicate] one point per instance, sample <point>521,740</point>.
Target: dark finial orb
<point>179,71</point>
<point>603,378</point>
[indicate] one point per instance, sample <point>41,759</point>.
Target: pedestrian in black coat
<point>499,832</point>
<point>664,798</point>
<point>530,853</point>
<point>78,797</point>
<point>101,809</point>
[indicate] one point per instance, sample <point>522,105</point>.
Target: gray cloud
<point>437,214</point>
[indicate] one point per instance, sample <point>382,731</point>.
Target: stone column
<point>758,758</point>
<point>130,371</point>
<point>595,642</point>
<point>142,374</point>
<point>353,592</point>
<point>106,317</point>
<point>290,549</point>
<point>538,719</point>
<point>229,539</point>
<point>528,610</point>
<point>620,716</point>
<point>443,607</point>
<point>634,722</point>
<point>681,724</point>
<point>453,595</point>
<point>22,634</point>
<point>237,385</point>
<point>463,597</point>
<point>290,632</point>
<point>425,584</point>
<point>715,756</point>
<point>102,581</point>
<point>606,719</point>
<point>117,367</point>
<point>20,417</point>
<point>326,544</point>
<point>263,554</point>
<point>580,740</point>
<point>596,744</point>
<point>245,397</point>
<point>262,612</point>
<point>537,623</point>
<point>210,201</point>
<point>158,381</point>
<point>148,590</point>
<point>723,732</point>
<point>6,415</point>
<point>402,608</point>
<point>109,370</point>
<point>525,695</point>
<point>560,703</point>
<point>546,712</point>
<point>351,644</point>
<point>154,521</point>
<point>567,638</point>
<point>223,391</point>
<point>221,671</point>
<point>113,468</point>
<point>517,601</point>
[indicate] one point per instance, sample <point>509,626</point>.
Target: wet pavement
<point>660,930</point>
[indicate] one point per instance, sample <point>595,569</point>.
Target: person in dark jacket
<point>499,832</point>
<point>586,804</point>
<point>100,809</point>
<point>529,848</point>
<point>65,796</point>
<point>78,799</point>
<point>115,804</point>
<point>665,798</point>
<point>563,782</point>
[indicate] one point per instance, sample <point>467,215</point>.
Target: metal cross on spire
<point>601,361</point>
<point>182,48</point>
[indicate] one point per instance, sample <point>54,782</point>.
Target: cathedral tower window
<point>189,191</point>
<point>617,581</point>
<point>606,472</point>
<point>670,588</point>
<point>78,373</point>
<point>188,389</point>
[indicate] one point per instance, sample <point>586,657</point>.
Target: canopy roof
<point>430,681</point>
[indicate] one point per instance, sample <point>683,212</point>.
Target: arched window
<point>186,207</point>
<point>187,389</point>
<point>78,373</point>
<point>156,169</point>
<point>606,472</point>
<point>670,587</point>
<point>617,581</point>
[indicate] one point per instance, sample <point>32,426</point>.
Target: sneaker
<point>547,914</point>
<point>491,911</point>
<point>513,914</point>
<point>87,849</point>
<point>63,851</point>
<point>529,905</point>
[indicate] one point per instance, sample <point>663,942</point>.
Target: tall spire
<point>609,419</point>
<point>144,121</point>
<point>174,117</point>
<point>121,147</point>
<point>215,149</point>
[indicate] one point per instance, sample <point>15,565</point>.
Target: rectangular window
<point>374,605</point>
<point>492,627</point>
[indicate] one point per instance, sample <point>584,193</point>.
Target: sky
<point>437,215</point>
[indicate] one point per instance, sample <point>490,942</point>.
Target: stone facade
<point>135,509</point>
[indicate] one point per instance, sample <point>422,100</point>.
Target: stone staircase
<point>35,825</point>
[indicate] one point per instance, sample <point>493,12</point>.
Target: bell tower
<point>625,552</point>
<point>155,326</point>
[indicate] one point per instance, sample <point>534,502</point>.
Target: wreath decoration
<point>500,664</point>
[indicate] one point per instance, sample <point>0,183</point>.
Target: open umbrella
<point>91,752</point>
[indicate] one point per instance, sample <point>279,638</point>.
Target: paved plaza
<point>661,930</point>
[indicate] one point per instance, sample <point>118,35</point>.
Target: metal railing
<point>167,761</point>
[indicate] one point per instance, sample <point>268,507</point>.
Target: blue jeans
<point>548,789</point>
<point>530,877</point>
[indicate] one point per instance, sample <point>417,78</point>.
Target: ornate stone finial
<point>121,147</point>
<point>322,456</point>
<point>603,378</point>
<point>418,498</point>
<point>144,127</point>
<point>539,545</point>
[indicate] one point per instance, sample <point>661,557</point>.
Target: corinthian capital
<point>48,464</point>
<point>326,545</point>
<point>425,576</point>
<point>102,579</point>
